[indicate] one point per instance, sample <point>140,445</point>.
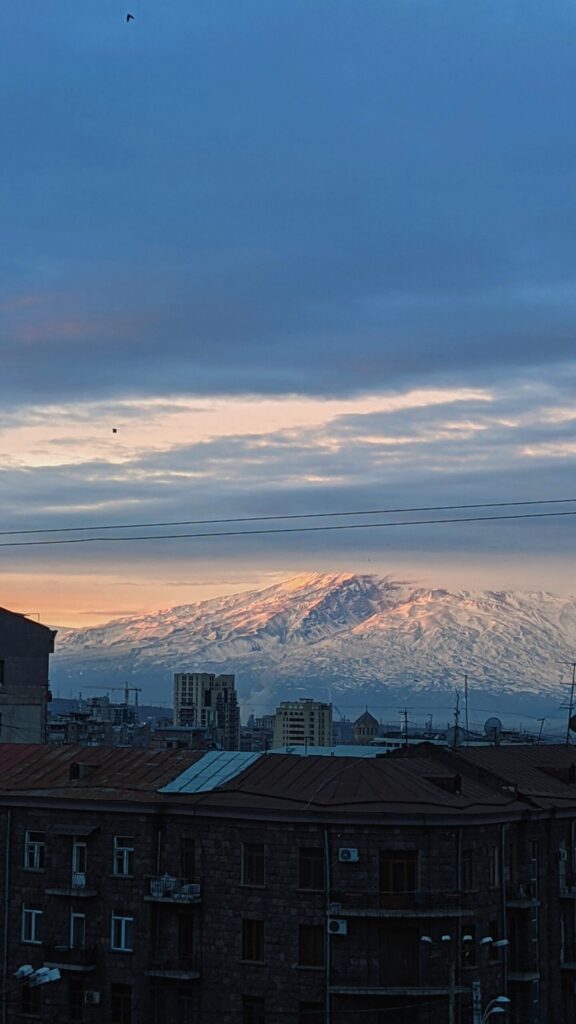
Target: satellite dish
<point>493,728</point>
<point>455,736</point>
<point>572,724</point>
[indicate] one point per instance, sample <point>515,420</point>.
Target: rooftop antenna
<point>456,720</point>
<point>466,707</point>
<point>541,720</point>
<point>404,716</point>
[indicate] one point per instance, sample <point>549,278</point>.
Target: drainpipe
<point>328,936</point>
<point>6,909</point>
<point>503,831</point>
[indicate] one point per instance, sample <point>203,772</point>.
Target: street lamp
<point>497,1005</point>
<point>29,977</point>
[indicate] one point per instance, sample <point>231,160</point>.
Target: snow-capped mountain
<point>328,635</point>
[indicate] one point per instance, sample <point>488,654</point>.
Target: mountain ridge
<point>326,633</point>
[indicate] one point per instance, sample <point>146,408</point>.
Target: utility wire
<point>282,530</point>
<point>296,515</point>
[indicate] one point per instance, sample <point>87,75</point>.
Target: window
<point>496,933</point>
<point>77,931</point>
<point>123,855</point>
<point>32,925</point>
<point>252,1010</point>
<point>311,1013</point>
<point>311,872</point>
<point>469,947</point>
<point>31,1003</point>
<point>252,939</point>
<point>34,851</point>
<point>75,1001</point>
<point>187,857</point>
<point>493,867</point>
<point>398,870</point>
<point>467,870</point>
<point>79,857</point>
<point>122,938</point>
<point>185,936</point>
<point>186,1013</point>
<point>2,672</point>
<point>253,863</point>
<point>399,954</point>
<point>311,945</point>
<point>121,1004</point>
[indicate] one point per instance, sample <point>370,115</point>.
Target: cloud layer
<point>302,256</point>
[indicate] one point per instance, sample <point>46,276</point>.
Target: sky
<point>303,257</point>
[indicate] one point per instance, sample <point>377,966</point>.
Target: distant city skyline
<point>275,259</point>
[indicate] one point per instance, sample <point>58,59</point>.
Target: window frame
<point>120,1004</point>
<point>36,848</point>
<point>253,872</point>
<point>396,863</point>
<point>32,924</point>
<point>312,862</point>
<point>252,937</point>
<point>77,916</point>
<point>253,1010</point>
<point>123,857</point>
<point>311,945</point>
<point>125,922</point>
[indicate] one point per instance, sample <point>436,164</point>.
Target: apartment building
<point>25,647</point>
<point>303,723</point>
<point>210,702</point>
<point>180,887</point>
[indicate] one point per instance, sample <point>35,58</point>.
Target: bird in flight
<point>129,17</point>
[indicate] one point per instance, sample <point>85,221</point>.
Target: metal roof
<point>340,750</point>
<point>214,769</point>
<point>425,781</point>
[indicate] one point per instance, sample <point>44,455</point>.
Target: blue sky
<point>304,256</point>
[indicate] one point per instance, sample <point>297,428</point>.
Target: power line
<point>295,515</point>
<point>282,530</point>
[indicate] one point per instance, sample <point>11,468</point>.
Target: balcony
<point>75,886</point>
<point>568,892</point>
<point>169,889</point>
<point>416,991</point>
<point>67,958</point>
<point>522,896</point>
<point>419,904</point>
<point>174,968</point>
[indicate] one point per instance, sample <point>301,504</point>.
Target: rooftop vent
<point>81,771</point>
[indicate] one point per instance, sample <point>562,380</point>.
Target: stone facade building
<point>25,647</point>
<point>180,887</point>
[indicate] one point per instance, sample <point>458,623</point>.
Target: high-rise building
<point>300,723</point>
<point>25,647</point>
<point>209,701</point>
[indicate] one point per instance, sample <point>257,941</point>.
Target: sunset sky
<point>304,257</point>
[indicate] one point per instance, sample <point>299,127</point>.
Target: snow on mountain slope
<point>324,633</point>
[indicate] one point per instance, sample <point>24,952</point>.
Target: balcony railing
<point>420,903</point>
<point>525,892</point>
<point>74,884</point>
<point>174,968</point>
<point>71,957</point>
<point>170,889</point>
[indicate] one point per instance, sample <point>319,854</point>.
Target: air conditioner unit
<point>348,853</point>
<point>91,999</point>
<point>562,856</point>
<point>336,926</point>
